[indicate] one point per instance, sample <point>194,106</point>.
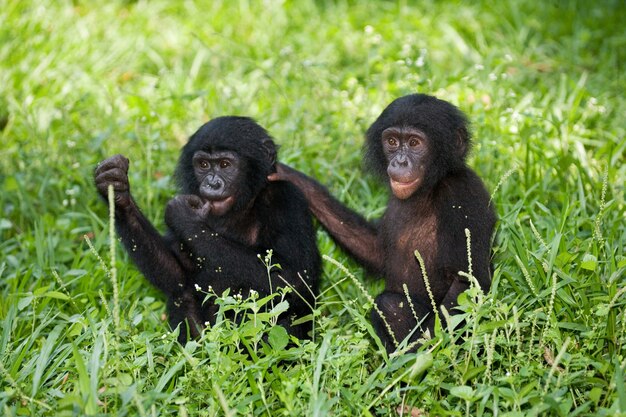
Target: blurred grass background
<point>542,82</point>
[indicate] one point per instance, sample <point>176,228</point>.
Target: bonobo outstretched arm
<point>147,248</point>
<point>360,238</point>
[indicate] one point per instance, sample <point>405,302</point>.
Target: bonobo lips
<point>404,190</point>
<point>219,207</point>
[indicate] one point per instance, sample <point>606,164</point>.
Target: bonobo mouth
<point>404,189</point>
<point>220,206</point>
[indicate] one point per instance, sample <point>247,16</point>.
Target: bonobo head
<point>226,163</point>
<point>415,142</point>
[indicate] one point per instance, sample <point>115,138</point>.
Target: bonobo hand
<point>283,173</point>
<point>114,171</point>
<point>185,208</point>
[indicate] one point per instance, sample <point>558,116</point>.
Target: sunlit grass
<point>543,84</point>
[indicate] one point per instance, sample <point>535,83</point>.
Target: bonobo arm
<point>146,247</point>
<point>360,238</point>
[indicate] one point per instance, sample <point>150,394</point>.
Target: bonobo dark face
<point>406,149</point>
<point>217,172</point>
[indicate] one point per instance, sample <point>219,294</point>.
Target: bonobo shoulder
<point>463,185</point>
<point>284,195</point>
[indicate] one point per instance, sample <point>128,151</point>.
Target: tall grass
<point>543,84</point>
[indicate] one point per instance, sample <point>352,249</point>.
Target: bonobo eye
<point>413,142</point>
<point>224,163</point>
<point>203,164</point>
<point>392,142</point>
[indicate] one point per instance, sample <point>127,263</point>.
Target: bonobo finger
<point>112,174</point>
<point>116,161</point>
<point>201,208</point>
<point>194,201</point>
<point>118,186</point>
<point>275,177</point>
<point>281,174</point>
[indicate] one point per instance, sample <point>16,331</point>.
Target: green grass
<point>542,82</point>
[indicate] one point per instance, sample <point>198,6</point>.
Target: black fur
<point>431,217</point>
<point>220,252</point>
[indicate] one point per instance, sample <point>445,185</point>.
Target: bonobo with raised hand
<point>227,215</point>
<point>418,146</point>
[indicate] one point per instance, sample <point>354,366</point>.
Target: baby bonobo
<point>418,146</point>
<point>227,214</point>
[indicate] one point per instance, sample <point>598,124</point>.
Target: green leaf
<point>24,302</point>
<point>422,363</point>
<point>250,329</point>
<point>279,308</point>
<point>589,262</point>
<point>303,319</point>
<point>84,384</point>
<point>44,356</point>
<point>167,376</point>
<point>278,338</point>
<point>620,387</point>
<point>10,184</point>
<point>464,392</point>
<point>75,329</point>
<point>38,292</point>
<point>595,394</point>
<point>472,372</point>
<point>57,295</point>
<point>76,272</point>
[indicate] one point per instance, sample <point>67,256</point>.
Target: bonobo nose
<point>400,161</point>
<point>215,184</point>
<point>212,184</point>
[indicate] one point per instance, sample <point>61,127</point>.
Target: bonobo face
<point>218,174</point>
<point>406,149</point>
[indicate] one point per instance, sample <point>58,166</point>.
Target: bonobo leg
<point>185,310</point>
<point>399,317</point>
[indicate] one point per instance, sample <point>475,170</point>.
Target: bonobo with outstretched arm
<point>418,146</point>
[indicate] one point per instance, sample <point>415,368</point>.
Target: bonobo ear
<point>462,141</point>
<point>270,148</point>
